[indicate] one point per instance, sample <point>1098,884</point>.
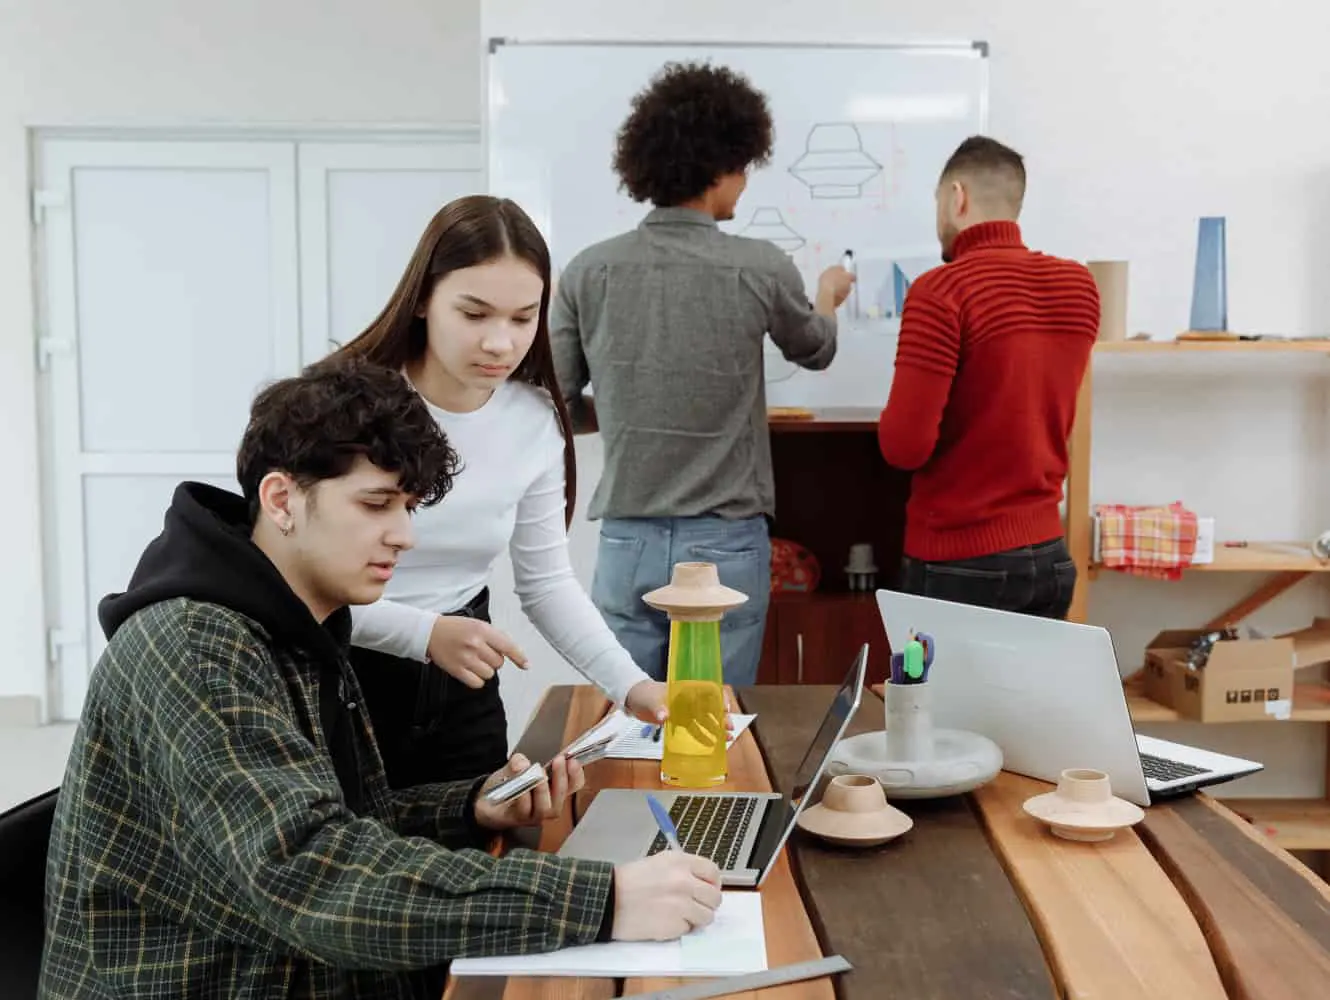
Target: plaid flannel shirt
<point>202,847</point>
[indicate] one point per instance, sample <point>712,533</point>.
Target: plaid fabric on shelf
<point>1155,542</point>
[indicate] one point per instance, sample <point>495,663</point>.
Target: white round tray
<point>962,761</point>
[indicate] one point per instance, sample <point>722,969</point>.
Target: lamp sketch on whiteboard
<point>768,224</point>
<point>834,163</point>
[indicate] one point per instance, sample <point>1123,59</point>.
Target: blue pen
<point>664,822</point>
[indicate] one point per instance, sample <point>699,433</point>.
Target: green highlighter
<point>914,659</point>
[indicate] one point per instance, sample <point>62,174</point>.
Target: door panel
<point>363,210</point>
<point>169,273</point>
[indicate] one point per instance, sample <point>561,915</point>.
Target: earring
<point>285,527</point>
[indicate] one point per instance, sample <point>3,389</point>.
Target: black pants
<point>429,726</point>
<point>1035,580</point>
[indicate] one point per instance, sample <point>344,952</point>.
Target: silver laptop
<point>742,832</point>
<point>1049,694</point>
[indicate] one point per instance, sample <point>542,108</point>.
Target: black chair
<point>25,832</point>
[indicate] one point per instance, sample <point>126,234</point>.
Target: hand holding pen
<point>666,895</point>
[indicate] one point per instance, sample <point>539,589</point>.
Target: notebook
<point>732,944</point>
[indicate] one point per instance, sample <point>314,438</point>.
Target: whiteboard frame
<point>975,49</point>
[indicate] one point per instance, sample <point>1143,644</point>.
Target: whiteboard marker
<point>851,300</point>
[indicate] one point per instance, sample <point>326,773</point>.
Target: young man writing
<point>667,323</point>
<point>225,828</point>
<point>993,346</point>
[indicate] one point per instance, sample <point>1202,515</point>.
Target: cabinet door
<point>817,638</point>
<point>859,621</point>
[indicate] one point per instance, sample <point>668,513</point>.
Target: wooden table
<point>978,901</point>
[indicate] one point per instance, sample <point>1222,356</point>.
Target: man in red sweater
<point>993,346</point>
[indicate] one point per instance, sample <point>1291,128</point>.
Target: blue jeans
<point>637,555</point>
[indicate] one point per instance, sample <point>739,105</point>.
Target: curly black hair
<point>313,425</point>
<point>694,124</point>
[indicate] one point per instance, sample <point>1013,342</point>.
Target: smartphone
<point>519,784</point>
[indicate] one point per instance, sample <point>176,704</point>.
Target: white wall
<point>152,62</point>
<point>1135,117</point>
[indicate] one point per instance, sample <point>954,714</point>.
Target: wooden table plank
<point>789,931</point>
<point>560,718</point>
<point>1265,916</point>
<point>963,931</point>
<point>1112,923</point>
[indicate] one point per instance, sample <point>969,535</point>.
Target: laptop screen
<point>842,706</point>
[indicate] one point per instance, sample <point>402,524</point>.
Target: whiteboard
<point>861,133</point>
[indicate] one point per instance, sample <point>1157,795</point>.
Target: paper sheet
<point>635,742</point>
<point>734,943</point>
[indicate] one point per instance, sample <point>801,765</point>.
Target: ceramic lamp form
<point>854,812</point>
<point>1083,807</point>
<point>1209,294</point>
<point>694,754</point>
<point>1110,277</point>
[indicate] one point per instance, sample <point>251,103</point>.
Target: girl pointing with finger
<point>467,324</point>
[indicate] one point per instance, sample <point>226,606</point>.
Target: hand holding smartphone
<point>589,747</point>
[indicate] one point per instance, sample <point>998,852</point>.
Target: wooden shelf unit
<point>1295,824</point>
<point>1311,703</point>
<point>1255,557</point>
<point>1308,346</point>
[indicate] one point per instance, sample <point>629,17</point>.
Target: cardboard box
<point>1244,680</point>
<point>1311,645</point>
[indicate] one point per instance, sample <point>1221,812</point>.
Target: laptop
<point>1049,694</point>
<point>742,832</point>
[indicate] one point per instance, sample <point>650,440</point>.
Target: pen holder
<point>909,722</point>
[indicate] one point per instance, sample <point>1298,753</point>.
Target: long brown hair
<point>467,232</point>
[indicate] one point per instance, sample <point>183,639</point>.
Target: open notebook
<point>734,943</point>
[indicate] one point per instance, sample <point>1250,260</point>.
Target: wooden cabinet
<point>832,490</point>
<point>813,639</point>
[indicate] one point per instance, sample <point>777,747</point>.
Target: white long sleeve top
<point>509,491</point>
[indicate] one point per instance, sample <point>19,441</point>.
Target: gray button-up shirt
<point>666,322</point>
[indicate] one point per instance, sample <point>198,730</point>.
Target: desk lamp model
<point>694,755</point>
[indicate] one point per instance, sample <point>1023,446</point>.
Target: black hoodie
<point>205,553</point>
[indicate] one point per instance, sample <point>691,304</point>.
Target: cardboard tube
<point>1111,277</point>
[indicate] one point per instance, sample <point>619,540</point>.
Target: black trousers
<point>429,726</point>
<point>1035,580</point>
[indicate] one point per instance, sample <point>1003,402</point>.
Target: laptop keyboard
<point>711,826</point>
<point>1168,770</point>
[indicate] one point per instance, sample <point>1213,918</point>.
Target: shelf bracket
<point>1256,600</point>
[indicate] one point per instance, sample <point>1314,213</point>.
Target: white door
<point>178,277</point>
<point>171,294</point>
<point>363,207</point>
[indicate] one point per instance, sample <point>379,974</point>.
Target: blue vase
<point>901,287</point>
<point>1209,294</point>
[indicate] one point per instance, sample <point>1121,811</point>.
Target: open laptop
<point>742,832</point>
<point>1049,694</point>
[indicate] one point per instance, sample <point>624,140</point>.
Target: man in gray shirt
<point>666,323</point>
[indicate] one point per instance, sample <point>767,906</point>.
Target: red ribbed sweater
<point>993,346</point>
